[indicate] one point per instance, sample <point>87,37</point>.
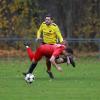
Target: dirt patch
<point>12,53</point>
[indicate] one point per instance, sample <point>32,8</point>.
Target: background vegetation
<point>76,18</point>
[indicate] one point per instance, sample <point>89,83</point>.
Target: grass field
<point>80,83</point>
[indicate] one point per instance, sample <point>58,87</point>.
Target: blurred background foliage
<point>75,18</point>
<point>17,18</point>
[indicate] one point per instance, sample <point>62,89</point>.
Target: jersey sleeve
<point>59,34</point>
<point>39,31</point>
<point>57,52</point>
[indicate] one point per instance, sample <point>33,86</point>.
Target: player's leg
<point>30,53</point>
<point>31,68</point>
<point>34,57</point>
<point>31,56</point>
<point>29,50</point>
<point>72,62</point>
<point>48,64</point>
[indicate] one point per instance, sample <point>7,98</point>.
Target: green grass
<point>80,83</point>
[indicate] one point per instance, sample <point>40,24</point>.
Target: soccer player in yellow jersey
<point>50,34</point>
<point>49,31</point>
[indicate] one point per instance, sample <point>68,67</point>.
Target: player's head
<point>48,19</point>
<point>69,50</point>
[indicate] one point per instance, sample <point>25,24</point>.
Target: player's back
<point>47,50</point>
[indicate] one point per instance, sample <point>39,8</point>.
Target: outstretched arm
<point>52,60</point>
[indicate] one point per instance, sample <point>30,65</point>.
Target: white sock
<point>27,46</point>
<point>68,60</point>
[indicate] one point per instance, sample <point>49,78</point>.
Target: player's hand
<point>59,68</point>
<point>37,39</point>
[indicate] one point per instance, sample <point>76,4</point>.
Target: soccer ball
<point>29,78</point>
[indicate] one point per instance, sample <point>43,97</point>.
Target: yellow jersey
<point>50,33</point>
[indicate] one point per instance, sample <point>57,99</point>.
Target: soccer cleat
<point>72,61</point>
<point>50,75</point>
<point>27,43</point>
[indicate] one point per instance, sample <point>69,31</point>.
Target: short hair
<point>69,50</point>
<point>49,15</point>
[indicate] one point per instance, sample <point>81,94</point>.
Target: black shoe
<point>50,75</point>
<point>72,61</point>
<point>27,43</point>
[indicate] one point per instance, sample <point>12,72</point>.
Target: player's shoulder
<point>54,24</point>
<point>43,23</point>
<point>60,45</point>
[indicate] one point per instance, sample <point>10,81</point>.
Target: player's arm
<point>39,32</point>
<point>59,34</point>
<point>52,60</point>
